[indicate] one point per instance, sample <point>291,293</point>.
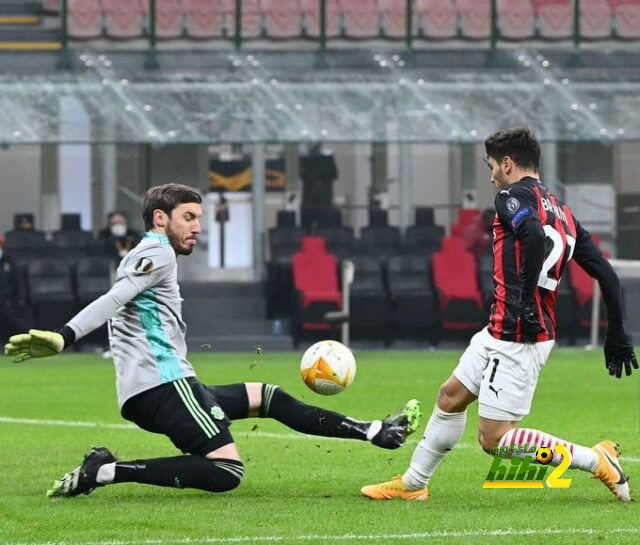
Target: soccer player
<point>157,387</point>
<point>534,236</point>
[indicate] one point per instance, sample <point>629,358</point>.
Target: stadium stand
<point>378,238</point>
<point>413,301</point>
<point>51,292</point>
<point>361,18</point>
<point>85,19</point>
<point>204,19</point>
<point>369,308</point>
<point>339,240</point>
<point>516,19</point>
<point>422,238</point>
<point>282,18</point>
<point>393,19</point>
<point>466,216</point>
<point>475,18</point>
<point>437,18</point>
<point>311,12</point>
<point>595,19</point>
<point>315,279</point>
<point>169,18</point>
<point>123,19</point>
<point>555,18</point>
<point>626,18</point>
<point>455,279</point>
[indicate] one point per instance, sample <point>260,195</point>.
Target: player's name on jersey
<point>550,207</point>
<point>529,472</point>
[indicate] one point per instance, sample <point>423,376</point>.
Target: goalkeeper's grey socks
<point>442,433</point>
<point>584,458</point>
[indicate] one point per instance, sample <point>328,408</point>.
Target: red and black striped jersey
<point>528,200</point>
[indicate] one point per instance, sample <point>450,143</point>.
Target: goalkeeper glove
<point>530,325</point>
<point>618,351</point>
<point>35,344</point>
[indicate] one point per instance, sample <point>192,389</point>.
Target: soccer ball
<point>328,367</point>
<point>544,455</point>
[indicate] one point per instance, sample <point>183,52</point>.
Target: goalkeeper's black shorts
<point>195,417</point>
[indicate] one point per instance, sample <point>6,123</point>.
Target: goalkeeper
<point>157,388</point>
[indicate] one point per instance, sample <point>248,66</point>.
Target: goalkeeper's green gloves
<point>35,344</point>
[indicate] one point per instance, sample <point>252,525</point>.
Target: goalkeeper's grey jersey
<point>147,334</point>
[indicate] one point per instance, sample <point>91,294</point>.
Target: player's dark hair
<point>518,143</point>
<point>166,197</point>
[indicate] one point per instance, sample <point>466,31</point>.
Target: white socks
<point>442,433</point>
<point>106,473</point>
<point>584,458</point>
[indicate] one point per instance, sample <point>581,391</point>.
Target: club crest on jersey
<point>512,205</point>
<point>217,412</point>
<point>143,265</point>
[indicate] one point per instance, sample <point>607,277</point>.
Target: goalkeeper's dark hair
<point>518,143</point>
<point>166,197</point>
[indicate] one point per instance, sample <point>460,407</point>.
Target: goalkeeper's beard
<point>174,240</point>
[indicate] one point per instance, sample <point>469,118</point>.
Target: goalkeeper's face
<point>183,227</point>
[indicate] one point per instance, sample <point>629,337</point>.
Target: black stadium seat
<point>369,308</point>
<point>51,292</point>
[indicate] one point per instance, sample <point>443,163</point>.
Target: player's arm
<point>142,273</point>
<point>618,350</point>
<point>516,208</point>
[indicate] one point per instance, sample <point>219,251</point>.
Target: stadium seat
<point>595,19</point>
<point>516,19</point>
<point>466,216</point>
<point>93,278</point>
<point>381,241</point>
<point>169,18</point>
<point>284,241</point>
<point>206,19</point>
<point>84,19</point>
<point>456,281</point>
<point>412,297</point>
<point>315,279</point>
<point>361,18</point>
<point>626,18</point>
<point>485,279</point>
<point>282,18</point>
<point>52,6</point>
<point>50,292</point>
<point>311,12</point>
<point>422,238</point>
<point>394,22</point>
<point>123,18</point>
<point>437,18</point>
<point>475,18</point>
<point>369,309</point>
<point>338,239</point>
<point>71,245</point>
<point>251,18</point>
<point>555,18</point>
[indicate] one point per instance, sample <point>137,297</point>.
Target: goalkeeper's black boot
<point>395,428</point>
<point>82,480</point>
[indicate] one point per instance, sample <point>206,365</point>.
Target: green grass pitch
<point>299,489</point>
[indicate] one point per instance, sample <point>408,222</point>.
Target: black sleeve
<point>590,258</point>
<point>517,208</point>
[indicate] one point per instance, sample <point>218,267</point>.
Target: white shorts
<point>502,374</point>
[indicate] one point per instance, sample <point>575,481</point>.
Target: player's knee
<point>254,397</point>
<point>448,400</point>
<point>225,475</point>
<point>487,440</point>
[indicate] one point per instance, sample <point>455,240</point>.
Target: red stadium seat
<point>206,19</point>
<point>315,279</point>
<point>311,11</point>
<point>251,18</point>
<point>437,18</point>
<point>475,18</point>
<point>393,15</point>
<point>361,18</point>
<point>626,18</point>
<point>282,18</point>
<point>85,19</point>
<point>465,217</point>
<point>595,19</point>
<point>123,18</point>
<point>555,18</point>
<point>456,280</point>
<point>169,18</point>
<point>516,20</point>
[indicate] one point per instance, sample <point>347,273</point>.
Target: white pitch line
<point>509,532</point>
<point>244,434</point>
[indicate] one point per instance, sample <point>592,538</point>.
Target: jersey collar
<point>163,239</point>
